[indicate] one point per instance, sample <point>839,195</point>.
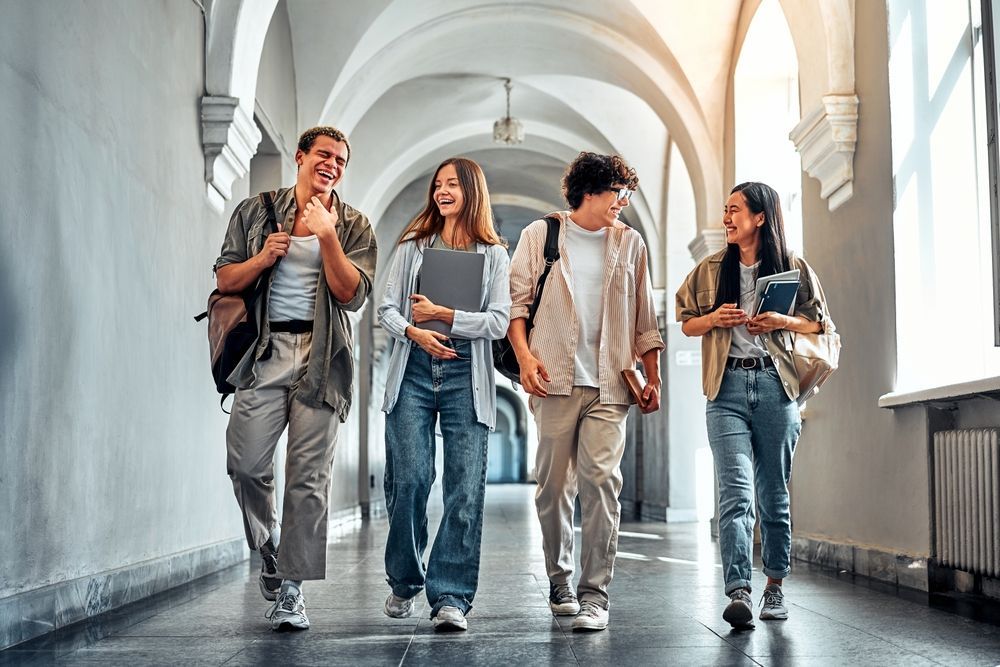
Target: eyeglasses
<point>622,193</point>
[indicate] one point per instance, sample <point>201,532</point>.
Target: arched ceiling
<point>423,82</point>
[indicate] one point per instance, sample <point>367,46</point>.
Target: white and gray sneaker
<point>288,610</point>
<point>739,611</point>
<point>397,607</point>
<point>773,604</point>
<point>450,618</point>
<point>592,616</point>
<point>562,600</point>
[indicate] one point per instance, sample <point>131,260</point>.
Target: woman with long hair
<point>434,376</point>
<point>749,379</point>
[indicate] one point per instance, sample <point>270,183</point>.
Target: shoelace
<point>771,599</point>
<point>563,594</point>
<point>285,602</point>
<point>589,609</point>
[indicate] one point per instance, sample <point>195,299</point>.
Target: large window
<point>946,314</point>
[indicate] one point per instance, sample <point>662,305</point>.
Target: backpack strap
<point>267,199</point>
<point>551,255</point>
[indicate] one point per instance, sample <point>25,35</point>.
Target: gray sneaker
<point>288,610</point>
<point>397,607</point>
<point>270,584</point>
<point>562,600</point>
<point>450,618</point>
<point>592,616</point>
<point>739,611</point>
<point>773,604</point>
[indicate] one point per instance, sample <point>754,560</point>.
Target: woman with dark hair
<point>749,379</point>
<point>433,376</point>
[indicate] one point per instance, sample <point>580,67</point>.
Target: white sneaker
<point>397,607</point>
<point>773,604</point>
<point>289,609</point>
<point>450,618</point>
<point>562,600</point>
<point>592,616</point>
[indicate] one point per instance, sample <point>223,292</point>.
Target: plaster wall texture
<point>111,446</point>
<point>861,473</point>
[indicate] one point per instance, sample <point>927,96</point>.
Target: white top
<point>293,290</point>
<point>745,345</point>
<point>585,253</point>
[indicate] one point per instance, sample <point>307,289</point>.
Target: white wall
<point>112,439</point>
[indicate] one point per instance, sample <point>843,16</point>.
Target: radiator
<point>967,499</point>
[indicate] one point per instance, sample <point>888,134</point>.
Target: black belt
<point>749,363</point>
<point>292,326</point>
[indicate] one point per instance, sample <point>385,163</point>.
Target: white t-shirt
<point>585,250</point>
<point>293,290</point>
<point>745,345</point>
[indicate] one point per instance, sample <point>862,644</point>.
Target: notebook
<point>778,297</point>
<point>452,278</point>
<point>762,283</point>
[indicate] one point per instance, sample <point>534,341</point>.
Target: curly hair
<point>591,174</point>
<point>308,138</point>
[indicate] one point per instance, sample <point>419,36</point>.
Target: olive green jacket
<point>330,373</point>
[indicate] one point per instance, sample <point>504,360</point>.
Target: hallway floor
<point>666,606</point>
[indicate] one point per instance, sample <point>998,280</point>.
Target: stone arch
<point>654,77</point>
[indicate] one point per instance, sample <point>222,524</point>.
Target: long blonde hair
<point>476,217</point>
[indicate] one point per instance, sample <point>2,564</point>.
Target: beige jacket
<point>697,296</point>
<point>628,324</point>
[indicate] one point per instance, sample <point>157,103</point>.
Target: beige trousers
<point>259,416</point>
<point>580,447</point>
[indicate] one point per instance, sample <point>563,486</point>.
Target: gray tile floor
<point>666,610</point>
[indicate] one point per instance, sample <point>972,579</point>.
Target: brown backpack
<point>232,327</point>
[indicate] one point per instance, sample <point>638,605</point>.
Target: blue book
<point>778,297</point>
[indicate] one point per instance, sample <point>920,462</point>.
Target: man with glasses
<point>596,318</point>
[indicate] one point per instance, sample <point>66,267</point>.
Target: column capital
<point>707,242</point>
<point>826,139</point>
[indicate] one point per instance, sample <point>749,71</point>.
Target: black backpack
<point>232,327</point>
<point>504,359</point>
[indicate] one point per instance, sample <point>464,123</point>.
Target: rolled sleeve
<point>686,300</point>
<point>363,254</point>
<point>234,247</point>
<point>647,331</point>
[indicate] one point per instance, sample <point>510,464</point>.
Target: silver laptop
<point>451,278</point>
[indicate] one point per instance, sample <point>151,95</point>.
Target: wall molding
<point>229,138</point>
<point>33,613</point>
<point>892,568</point>
<point>826,138</point>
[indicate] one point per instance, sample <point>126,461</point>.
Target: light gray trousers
<point>259,416</point>
<point>580,446</point>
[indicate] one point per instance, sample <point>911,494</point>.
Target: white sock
<point>276,536</point>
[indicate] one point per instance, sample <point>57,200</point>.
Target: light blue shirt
<point>394,314</point>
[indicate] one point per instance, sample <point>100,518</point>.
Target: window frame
<point>989,29</point>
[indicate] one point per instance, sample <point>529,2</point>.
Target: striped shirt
<point>628,319</point>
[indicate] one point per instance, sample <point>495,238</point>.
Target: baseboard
<point>32,613</point>
<point>886,566</point>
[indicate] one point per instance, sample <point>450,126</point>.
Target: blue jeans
<point>752,428</point>
<point>431,388</point>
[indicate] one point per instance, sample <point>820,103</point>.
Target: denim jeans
<point>752,428</point>
<point>432,388</point>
